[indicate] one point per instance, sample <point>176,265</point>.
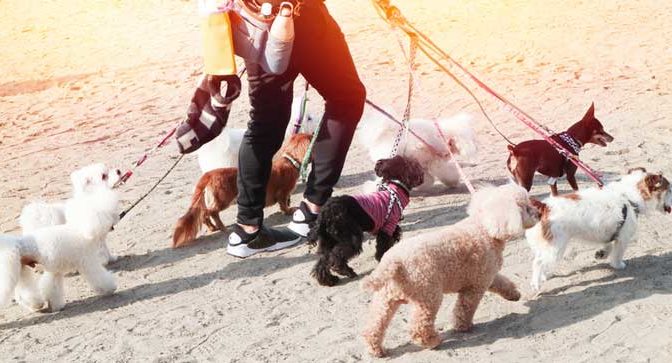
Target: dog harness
<point>385,206</point>
<point>571,144</point>
<point>624,210</point>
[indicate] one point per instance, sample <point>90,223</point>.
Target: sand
<point>82,83</point>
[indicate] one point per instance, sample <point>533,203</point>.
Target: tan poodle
<point>464,258</point>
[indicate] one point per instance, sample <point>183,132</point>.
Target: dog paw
<point>377,352</point>
<point>463,327</point>
<point>619,265</point>
<point>328,280</point>
<point>513,296</point>
<point>601,254</point>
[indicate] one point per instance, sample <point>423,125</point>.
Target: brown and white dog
<point>533,156</point>
<point>606,217</point>
<point>217,190</point>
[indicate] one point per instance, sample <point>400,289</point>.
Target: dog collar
<point>294,162</point>
<point>402,185</point>
<point>573,143</point>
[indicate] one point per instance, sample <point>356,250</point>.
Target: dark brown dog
<point>540,156</point>
<point>222,188</point>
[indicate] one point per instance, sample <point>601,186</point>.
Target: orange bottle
<point>218,54</point>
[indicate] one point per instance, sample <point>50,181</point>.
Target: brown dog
<point>220,188</point>
<point>533,156</point>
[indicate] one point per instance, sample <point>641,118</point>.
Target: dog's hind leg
<point>99,278</point>
<point>51,288</point>
<point>465,307</point>
<point>505,288</point>
<point>381,312</point>
<point>218,221</point>
<point>423,331</point>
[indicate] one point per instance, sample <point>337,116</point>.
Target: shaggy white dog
<point>41,214</point>
<point>73,246</point>
<point>606,217</point>
<point>377,134</point>
<point>222,151</point>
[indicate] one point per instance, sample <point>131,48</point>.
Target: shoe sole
<point>301,229</point>
<point>242,251</point>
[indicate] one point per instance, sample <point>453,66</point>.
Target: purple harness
<point>385,207</point>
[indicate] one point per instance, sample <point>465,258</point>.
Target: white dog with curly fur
<point>60,249</point>
<point>377,134</point>
<point>41,214</point>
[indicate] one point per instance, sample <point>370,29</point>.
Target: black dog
<point>340,226</point>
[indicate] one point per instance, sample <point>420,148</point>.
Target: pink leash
<point>145,156</point>
<point>463,175</point>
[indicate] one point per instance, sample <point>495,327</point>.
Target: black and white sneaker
<point>242,244</point>
<point>302,220</point>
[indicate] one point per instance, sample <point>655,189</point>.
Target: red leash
<point>145,156</point>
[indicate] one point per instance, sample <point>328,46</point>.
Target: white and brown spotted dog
<point>606,217</point>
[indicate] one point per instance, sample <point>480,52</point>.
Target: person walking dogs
<point>319,53</point>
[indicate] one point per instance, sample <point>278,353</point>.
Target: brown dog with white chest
<point>217,189</point>
<point>540,156</point>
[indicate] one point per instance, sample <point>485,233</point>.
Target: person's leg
<point>322,56</point>
<point>271,103</point>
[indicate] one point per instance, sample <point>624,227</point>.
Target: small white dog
<point>607,217</point>
<point>73,246</point>
<point>222,151</point>
<point>377,134</point>
<point>40,214</point>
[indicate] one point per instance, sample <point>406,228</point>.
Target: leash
<point>463,175</point>
<point>410,131</point>
<point>125,212</point>
<point>403,131</point>
<point>303,170</point>
<point>393,16</point>
<point>302,110</point>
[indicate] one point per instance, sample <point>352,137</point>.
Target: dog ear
<point>631,170</point>
<point>379,169</point>
<point>590,114</point>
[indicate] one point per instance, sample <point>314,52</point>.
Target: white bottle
<point>283,26</point>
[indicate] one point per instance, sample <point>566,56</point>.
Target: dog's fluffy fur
<point>377,134</point>
<point>464,258</point>
<point>41,214</point>
<point>340,226</point>
<point>222,151</point>
<point>70,247</point>
<point>529,157</point>
<point>606,217</point>
<point>217,189</point>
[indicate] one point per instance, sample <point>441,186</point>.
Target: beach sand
<point>82,83</point>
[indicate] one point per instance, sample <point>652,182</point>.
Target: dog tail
<point>380,276</point>
<point>188,225</point>
<point>10,269</point>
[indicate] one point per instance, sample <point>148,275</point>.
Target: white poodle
<point>41,214</point>
<point>73,246</point>
<point>606,217</point>
<point>377,134</point>
<point>222,151</point>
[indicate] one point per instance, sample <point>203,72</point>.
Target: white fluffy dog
<point>606,217</point>
<point>73,246</point>
<point>41,214</point>
<point>222,151</point>
<point>377,134</point>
